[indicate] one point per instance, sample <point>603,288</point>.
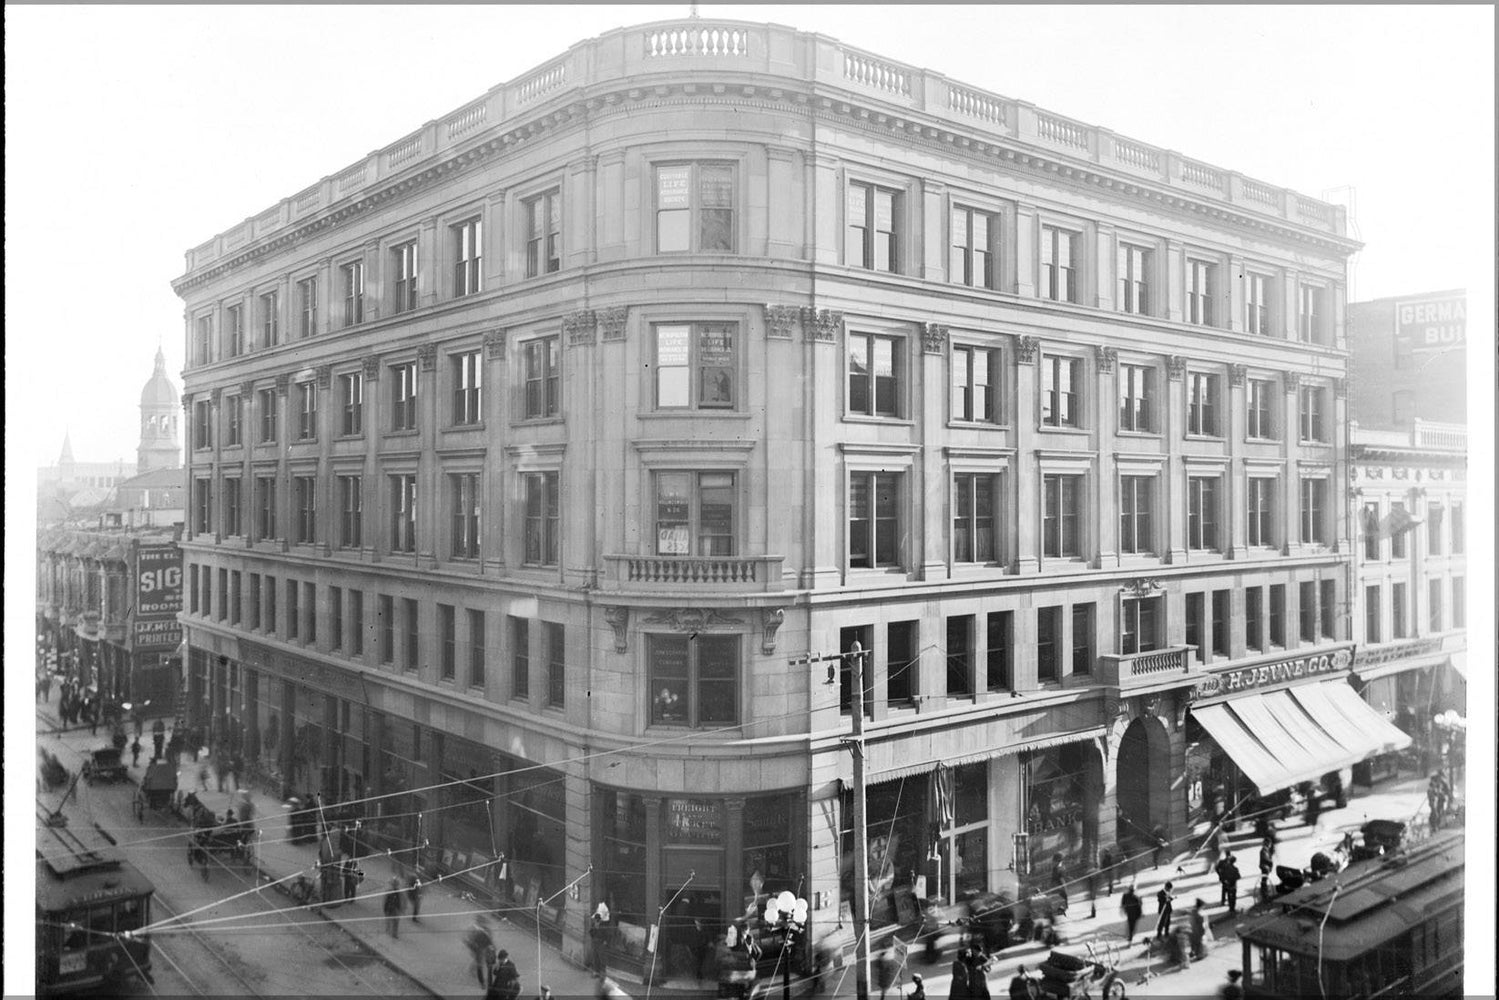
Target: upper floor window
<point>403,513</point>
<point>1137,398</point>
<point>1459,602</point>
<point>1061,516</point>
<point>204,344</point>
<point>403,274</point>
<point>304,497</point>
<point>351,511</point>
<point>463,489</point>
<point>1203,392</point>
<point>1371,532</point>
<point>971,255</point>
<point>695,513</point>
<point>874,519</point>
<point>1261,505</point>
<point>1400,526</point>
<point>351,400</point>
<point>1313,414</point>
<point>266,404</point>
<point>1137,514</point>
<point>234,318</point>
<point>974,538</point>
<point>1434,529</point>
<point>694,680</point>
<point>876,368</point>
<point>306,410</point>
<point>1259,394</point>
<point>202,506</point>
<point>270,319</point>
<point>1048,644</point>
<point>265,507</point>
<point>695,365</point>
<point>233,415</point>
<point>1457,531</point>
<point>1134,265</point>
<point>353,275</point>
<point>543,233</point>
<point>542,369</point>
<point>1311,314</point>
<point>873,228</point>
<point>403,396</point>
<point>1140,625</point>
<point>447,633</point>
<point>467,387</point>
<point>541,518</point>
<point>975,384</point>
<point>1314,511</point>
<point>1256,304</point>
<point>695,207</point>
<point>233,519</point>
<point>1061,385</point>
<point>1202,512</point>
<point>468,244</point>
<point>1201,280</point>
<point>307,307</point>
<point>202,424</point>
<point>1399,609</point>
<point>1059,254</point>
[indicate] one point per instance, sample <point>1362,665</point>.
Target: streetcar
<point>1386,926</point>
<point>87,895</point>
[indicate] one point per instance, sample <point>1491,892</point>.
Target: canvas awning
<point>1459,662</point>
<point>1339,710</point>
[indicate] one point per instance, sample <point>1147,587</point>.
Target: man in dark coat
<point>1132,908</point>
<point>393,907</point>
<point>1163,900</point>
<point>1199,920</point>
<point>1228,878</point>
<point>414,895</point>
<point>1022,986</point>
<point>959,988</point>
<point>158,739</point>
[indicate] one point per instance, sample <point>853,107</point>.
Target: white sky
<point>133,133</point>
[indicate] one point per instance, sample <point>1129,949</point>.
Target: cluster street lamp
<point>1453,728</point>
<point>788,915</point>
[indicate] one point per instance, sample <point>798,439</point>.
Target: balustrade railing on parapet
<point>717,572</point>
<point>1120,670</point>
<point>696,39</point>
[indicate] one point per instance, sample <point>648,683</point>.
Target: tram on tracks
<point>1390,926</point>
<point>87,897</point>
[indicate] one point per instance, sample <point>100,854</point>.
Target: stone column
<point>1173,419</point>
<point>1026,473</point>
<point>932,475</point>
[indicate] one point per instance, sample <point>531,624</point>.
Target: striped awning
<point>889,769</point>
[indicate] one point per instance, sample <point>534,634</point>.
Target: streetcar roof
<point>78,864</point>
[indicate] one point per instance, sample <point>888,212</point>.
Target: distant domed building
<point>160,412</point>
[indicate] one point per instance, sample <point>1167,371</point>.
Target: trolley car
<point>1387,926</point>
<point>86,897</point>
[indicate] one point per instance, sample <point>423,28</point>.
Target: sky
<point>135,132</point>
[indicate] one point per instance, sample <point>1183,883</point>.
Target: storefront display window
<point>467,770</point>
<point>622,816</point>
<point>1056,810</point>
<point>536,813</point>
<point>897,847</point>
<point>767,843</point>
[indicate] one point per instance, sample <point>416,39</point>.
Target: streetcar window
<point>129,915</point>
<point>74,936</point>
<point>101,922</point>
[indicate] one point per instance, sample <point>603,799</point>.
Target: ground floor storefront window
<point>1061,810</point>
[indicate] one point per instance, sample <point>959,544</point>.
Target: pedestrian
<point>1230,880</point>
<point>1022,986</point>
<point>1231,990</point>
<point>918,988</point>
<point>1158,835</point>
<point>1267,857</point>
<point>414,895</point>
<point>959,988</point>
<point>884,972</point>
<point>393,907</point>
<point>1313,807</point>
<point>481,947</point>
<point>352,876</point>
<point>1058,872</point>
<point>1199,929</point>
<point>135,752</point>
<point>93,717</point>
<point>596,933</point>
<point>978,974</point>
<point>1434,799</point>
<point>545,994</point>
<point>1163,900</point>
<point>1132,908</point>
<point>1180,945</point>
<point>1106,865</point>
<point>506,977</point>
<point>140,726</point>
<point>202,774</point>
<point>1090,883</point>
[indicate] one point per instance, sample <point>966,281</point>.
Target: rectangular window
<point>265,507</point>
<point>1314,511</point>
<point>556,654</point>
<point>335,618</point>
<point>973,531</point>
<point>233,430</point>
<point>902,653</point>
<point>1459,539</point>
<point>543,234</point>
<point>1136,398</point>
<point>1061,516</point>
<point>863,635</point>
<point>971,256</point>
<point>204,344</point>
<point>403,513</point>
<point>1434,529</point>
<point>307,307</point>
<point>476,649</point>
<point>975,384</point>
<point>1261,503</point>
<point>252,622</point>
<point>520,658</point>
<point>1459,603</point>
<point>693,681</point>
<point>1136,515</point>
<point>304,496</point>
<point>1082,639</point>
<point>192,595</point>
<point>412,633</point>
<point>1202,513</point>
<point>1277,614</point>
<point>1201,280</point>
<point>1203,394</point>
<point>1000,626</point>
<point>353,275</point>
<point>447,630</point>
<point>1048,644</point>
<point>696,365</point>
<point>270,319</point>
<point>223,595</point>
<point>543,377</point>
<point>202,424</point>
<point>266,405</point>
<point>1435,621</point>
<point>1134,279</point>
<point>293,609</point>
<point>403,277</point>
<point>1310,313</point>
<point>876,375</point>
<point>1059,251</point>
<point>873,228</point>
<point>695,514</point>
<point>1308,611</point>
<point>403,396</point>
<point>1221,622</point>
<point>1196,621</point>
<point>207,579</point>
<point>1372,631</point>
<point>874,522</point>
<point>1313,414</point>
<point>463,489</point>
<point>1372,531</point>
<point>960,640</point>
<point>468,250</point>
<point>541,519</point>
<point>700,192</point>
<point>1061,383</point>
<point>351,512</point>
<point>1254,619</point>
<point>385,606</point>
<point>1140,626</point>
<point>309,598</point>
<point>234,318</point>
<point>356,622</point>
<point>468,379</point>
<point>1257,304</point>
<point>306,411</point>
<point>270,604</point>
<point>1260,395</point>
<point>1328,594</point>
<point>351,399</point>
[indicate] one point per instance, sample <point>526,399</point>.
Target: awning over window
<point>1339,710</point>
<point>1459,662</point>
<point>1258,763</point>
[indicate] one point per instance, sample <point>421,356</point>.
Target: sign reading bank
<point>1431,324</point>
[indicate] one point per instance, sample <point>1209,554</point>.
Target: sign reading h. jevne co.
<point>1229,682</point>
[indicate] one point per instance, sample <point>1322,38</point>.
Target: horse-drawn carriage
<point>104,764</point>
<point>1067,977</point>
<point>230,844</point>
<point>156,789</point>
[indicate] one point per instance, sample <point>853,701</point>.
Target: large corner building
<point>553,438</point>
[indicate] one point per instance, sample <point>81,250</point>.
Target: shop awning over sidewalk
<point>1339,710</point>
<point>1459,662</point>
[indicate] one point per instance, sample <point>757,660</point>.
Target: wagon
<point>104,765</point>
<point>1066,976</point>
<point>156,790</point>
<point>230,844</point>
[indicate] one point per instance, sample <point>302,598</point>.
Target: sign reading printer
<point>1233,681</point>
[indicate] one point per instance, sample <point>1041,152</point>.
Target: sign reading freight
<point>1431,324</point>
<point>1234,681</point>
<point>158,580</point>
<point>165,634</point>
<point>1388,654</point>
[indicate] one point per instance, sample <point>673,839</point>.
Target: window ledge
<point>1218,438</point>
<point>1074,431</point>
<point>406,432</point>
<point>357,436</point>
<point>977,425</point>
<point>537,421</point>
<point>690,414</point>
<point>462,428</point>
<point>864,418</point>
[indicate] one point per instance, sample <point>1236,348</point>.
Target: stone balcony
<point>720,574</point>
<point>1139,669</point>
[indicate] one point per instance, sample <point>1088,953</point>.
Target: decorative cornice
<point>613,322</point>
<point>1106,358</point>
<point>1238,374</point>
<point>1142,587</point>
<point>1293,382</point>
<point>780,321</point>
<point>1176,367</point>
<point>821,325</point>
<point>694,620</point>
<point>1026,349</point>
<point>371,369</point>
<point>426,357</point>
<point>580,327</point>
<point>618,617</point>
<point>494,345</point>
<point>324,376</point>
<point>933,338</point>
<point>283,383</point>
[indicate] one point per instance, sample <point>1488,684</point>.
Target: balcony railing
<point>1142,668</point>
<point>714,572</point>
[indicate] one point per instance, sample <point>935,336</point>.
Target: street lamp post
<point>787,914</point>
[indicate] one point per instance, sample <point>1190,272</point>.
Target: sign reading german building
<point>158,580</point>
<point>1431,324</point>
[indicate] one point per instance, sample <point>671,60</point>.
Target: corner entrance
<point>1144,780</point>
